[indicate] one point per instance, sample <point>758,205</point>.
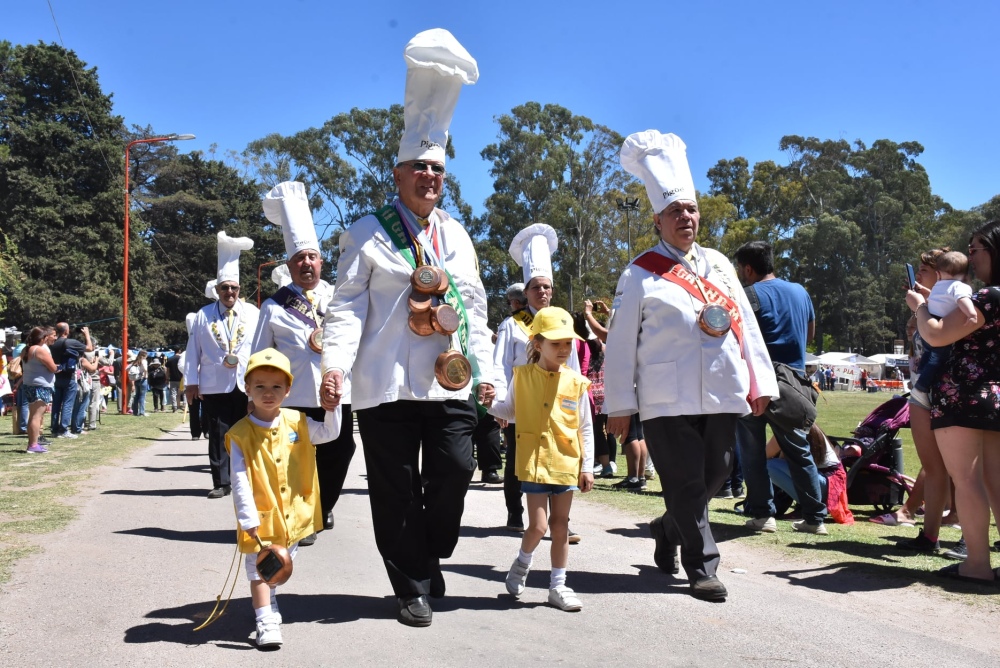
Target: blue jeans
<point>751,435</point>
<point>22,407</point>
<point>80,410</point>
<point>781,475</point>
<point>63,399</point>
<point>139,397</point>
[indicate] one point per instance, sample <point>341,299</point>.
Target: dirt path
<point>123,584</point>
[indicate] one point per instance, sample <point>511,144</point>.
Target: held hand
<point>252,532</point>
<point>588,306</point>
<point>618,427</point>
<point>759,405</point>
<point>926,292</point>
<point>191,393</point>
<point>502,423</point>
<point>586,482</point>
<point>332,389</point>
<point>485,394</point>
<point>601,307</point>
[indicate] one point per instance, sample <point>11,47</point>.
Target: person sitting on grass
<point>273,470</point>
<point>555,446</point>
<point>832,476</point>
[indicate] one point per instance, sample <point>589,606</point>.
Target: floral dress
<point>968,392</point>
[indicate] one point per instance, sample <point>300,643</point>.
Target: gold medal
<point>715,320</point>
<point>452,370</point>
<point>231,361</point>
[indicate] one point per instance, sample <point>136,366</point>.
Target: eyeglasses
<point>227,288</point>
<point>421,166</point>
<point>973,250</point>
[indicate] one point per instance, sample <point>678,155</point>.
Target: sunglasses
<point>227,288</point>
<point>421,166</point>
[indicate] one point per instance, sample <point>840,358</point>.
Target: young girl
<point>273,469</point>
<point>555,445</point>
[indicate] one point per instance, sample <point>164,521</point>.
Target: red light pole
<point>128,147</point>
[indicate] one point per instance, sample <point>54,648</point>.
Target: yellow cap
<point>272,358</point>
<point>554,324</point>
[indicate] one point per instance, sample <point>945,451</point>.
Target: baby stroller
<point>873,458</point>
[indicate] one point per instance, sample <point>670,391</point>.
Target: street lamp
<point>629,204</point>
<point>128,147</point>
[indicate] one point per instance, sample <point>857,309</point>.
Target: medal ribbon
<point>298,307</point>
<point>701,289</point>
<point>229,325</point>
<point>523,320</point>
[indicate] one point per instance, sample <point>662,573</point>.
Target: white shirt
<point>512,350</point>
<point>366,332</point>
<point>659,363</point>
<point>945,295</point>
<point>246,509</point>
<point>204,354</point>
<point>279,329</point>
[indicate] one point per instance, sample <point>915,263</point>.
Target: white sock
<point>524,557</point>
<point>262,613</point>
<point>274,604</point>
<point>558,578</point>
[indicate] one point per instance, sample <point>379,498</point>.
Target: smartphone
<point>911,276</point>
<point>268,567</point>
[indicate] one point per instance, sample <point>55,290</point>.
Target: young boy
<point>273,470</point>
<point>950,292</point>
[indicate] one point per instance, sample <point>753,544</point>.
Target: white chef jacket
<point>366,332</point>
<point>203,358</point>
<point>512,350</point>
<point>659,363</point>
<point>279,329</point>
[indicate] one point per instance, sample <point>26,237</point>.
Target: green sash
<point>388,217</point>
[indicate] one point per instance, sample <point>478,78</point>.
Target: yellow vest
<point>547,420</point>
<point>281,467</point>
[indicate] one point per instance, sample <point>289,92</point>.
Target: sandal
<point>951,572</point>
<point>890,520</point>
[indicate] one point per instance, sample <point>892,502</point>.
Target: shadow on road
<point>221,536</point>
<point>156,492</point>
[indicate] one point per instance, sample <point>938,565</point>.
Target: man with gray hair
<point>516,298</point>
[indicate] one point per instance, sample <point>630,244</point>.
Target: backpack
<point>106,375</point>
<point>157,376</point>
<point>795,407</point>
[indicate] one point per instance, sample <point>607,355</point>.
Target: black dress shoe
<point>515,522</point>
<point>308,540</point>
<point>328,521</point>
<point>665,553</point>
<point>414,611</point>
<point>220,492</point>
<point>492,477</point>
<point>709,588</point>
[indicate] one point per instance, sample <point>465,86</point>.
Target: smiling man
<point>408,320</point>
<point>291,321</point>
<point>217,352</point>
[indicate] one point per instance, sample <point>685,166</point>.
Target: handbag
<point>795,407</point>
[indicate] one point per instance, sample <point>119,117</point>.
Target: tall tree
<point>60,188</point>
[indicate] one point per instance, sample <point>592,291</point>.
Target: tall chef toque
<point>437,67</point>
<point>532,249</point>
<point>660,162</point>
<point>229,261</point>
<point>189,321</point>
<point>287,206</point>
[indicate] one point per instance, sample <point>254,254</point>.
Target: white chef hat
<point>229,256</point>
<point>660,162</point>
<point>281,276</point>
<point>436,68</point>
<point>532,249</point>
<point>189,321</point>
<point>287,206</point>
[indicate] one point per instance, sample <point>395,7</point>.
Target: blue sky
<point>730,78</point>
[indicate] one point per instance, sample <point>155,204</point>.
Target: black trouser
<point>219,413</point>
<point>486,438</point>
<point>511,485</point>
<point>194,417</point>
<point>693,455</point>
<point>333,458</point>
<point>417,511</point>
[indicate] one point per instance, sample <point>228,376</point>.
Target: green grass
<point>863,546</point>
<point>35,490</point>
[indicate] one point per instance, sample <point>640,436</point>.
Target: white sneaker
<point>650,472</point>
<point>564,598</point>
<point>614,467</point>
<point>804,527</point>
<point>516,576</point>
<point>269,634</point>
<point>762,524</point>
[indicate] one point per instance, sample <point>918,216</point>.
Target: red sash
<point>675,272</point>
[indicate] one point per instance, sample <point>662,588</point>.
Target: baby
<point>950,292</point>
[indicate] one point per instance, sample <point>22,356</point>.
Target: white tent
<point>890,360</point>
<point>847,366</point>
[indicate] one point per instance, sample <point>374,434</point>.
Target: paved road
<point>124,584</point>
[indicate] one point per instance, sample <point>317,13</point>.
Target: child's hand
<point>586,482</point>
<point>252,532</point>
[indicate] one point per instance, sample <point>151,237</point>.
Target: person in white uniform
<point>407,276</point>
<point>216,357</point>
<point>685,353</point>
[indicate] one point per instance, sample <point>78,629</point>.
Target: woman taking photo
<point>965,401</point>
<point>39,377</point>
